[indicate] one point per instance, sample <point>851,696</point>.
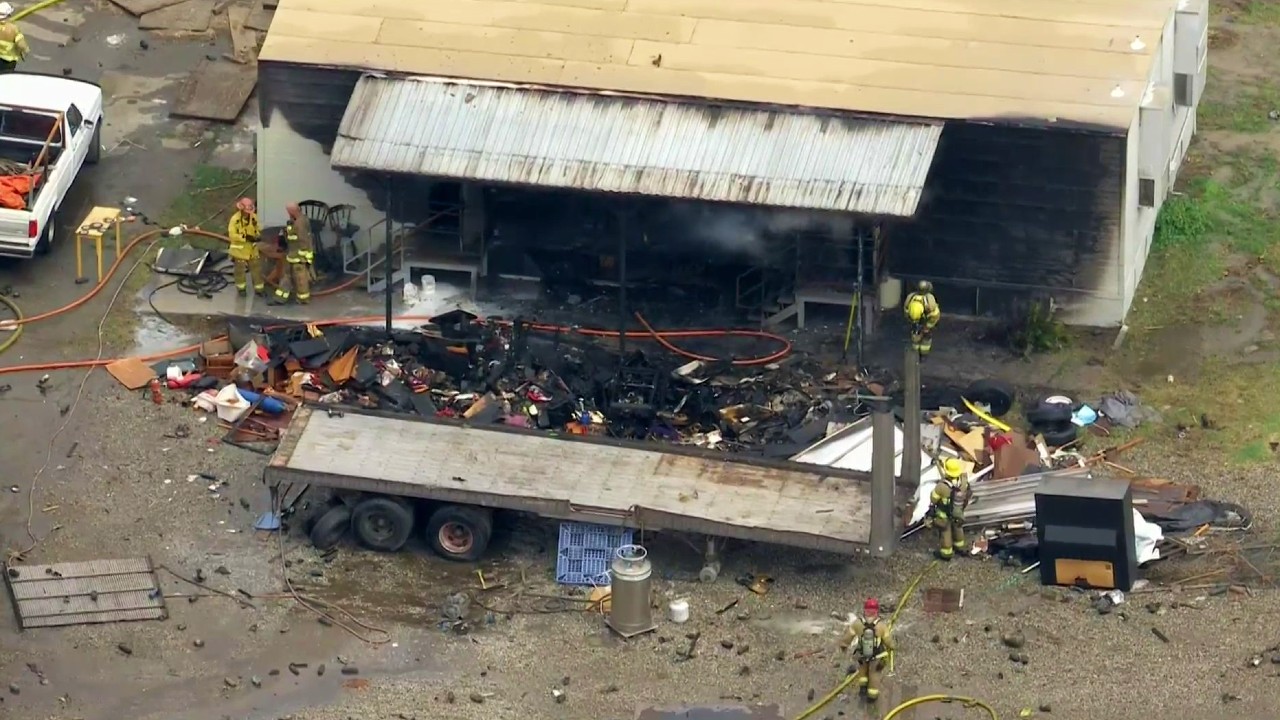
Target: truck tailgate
<point>634,484</point>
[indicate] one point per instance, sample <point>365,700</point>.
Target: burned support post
<point>911,416</point>
<point>884,526</point>
<point>622,284</point>
<point>389,265</point>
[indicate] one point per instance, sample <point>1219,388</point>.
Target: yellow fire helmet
<point>952,468</point>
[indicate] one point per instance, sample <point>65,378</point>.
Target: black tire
<point>45,243</point>
<point>382,523</point>
<point>996,395</point>
<point>330,527</point>
<point>460,533</point>
<point>1050,413</point>
<point>95,150</point>
<point>1057,434</point>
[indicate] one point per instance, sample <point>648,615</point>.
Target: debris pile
<point>490,371</point>
<point>1007,466</point>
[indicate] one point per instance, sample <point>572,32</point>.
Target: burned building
<point>775,154</point>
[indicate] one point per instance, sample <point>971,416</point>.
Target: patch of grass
<point>1237,402</point>
<point>1244,110</point>
<point>1196,233</point>
<point>206,202</point>
<point>1260,12</point>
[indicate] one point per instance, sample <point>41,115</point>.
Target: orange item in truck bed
<point>14,189</point>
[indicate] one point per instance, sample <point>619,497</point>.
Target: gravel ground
<point>126,491</point>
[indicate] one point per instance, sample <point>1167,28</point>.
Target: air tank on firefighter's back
<point>631,606</point>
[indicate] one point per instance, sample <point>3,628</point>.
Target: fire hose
<point>663,337</point>
<point>32,10</point>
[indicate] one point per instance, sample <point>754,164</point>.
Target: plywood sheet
<point>216,91</point>
<point>131,373</point>
<point>244,41</point>
<point>188,16</point>
<point>142,7</point>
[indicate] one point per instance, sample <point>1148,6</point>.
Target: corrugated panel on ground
<point>428,126</point>
<point>76,593</point>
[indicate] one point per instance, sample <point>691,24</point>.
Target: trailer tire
<point>330,527</point>
<point>382,523</point>
<point>1058,434</point>
<point>1049,413</point>
<point>460,533</point>
<point>996,395</point>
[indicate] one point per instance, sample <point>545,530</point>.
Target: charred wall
<point>309,103</point>
<point>1014,212</point>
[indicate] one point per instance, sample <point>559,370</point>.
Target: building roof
<point>428,126</point>
<point>1080,61</point>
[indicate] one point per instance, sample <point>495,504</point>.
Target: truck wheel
<point>382,523</point>
<point>330,527</point>
<point>95,150</point>
<point>45,243</point>
<point>459,532</point>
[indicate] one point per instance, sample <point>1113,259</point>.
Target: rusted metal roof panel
<point>76,593</point>
<point>610,143</point>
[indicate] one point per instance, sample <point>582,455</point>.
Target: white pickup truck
<point>50,127</point>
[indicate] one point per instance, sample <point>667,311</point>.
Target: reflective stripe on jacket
<point>298,247</point>
<point>243,232</point>
<point>13,45</point>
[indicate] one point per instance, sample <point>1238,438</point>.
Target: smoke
<point>745,232</point>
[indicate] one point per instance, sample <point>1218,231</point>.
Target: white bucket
<point>678,611</point>
<point>231,406</point>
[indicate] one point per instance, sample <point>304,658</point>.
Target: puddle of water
<point>712,712</point>
<point>154,335</point>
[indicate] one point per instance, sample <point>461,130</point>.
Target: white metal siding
<point>610,143</point>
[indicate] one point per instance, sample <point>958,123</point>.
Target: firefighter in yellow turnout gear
<point>947,505</point>
<point>922,313</point>
<point>243,232</point>
<point>869,638</point>
<point>299,254</point>
<point>13,44</point>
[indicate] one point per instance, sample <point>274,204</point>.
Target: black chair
<point>316,212</point>
<point>339,221</point>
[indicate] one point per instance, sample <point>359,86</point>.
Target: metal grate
<point>79,593</point>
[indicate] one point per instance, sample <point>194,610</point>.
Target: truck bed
<point>574,478</point>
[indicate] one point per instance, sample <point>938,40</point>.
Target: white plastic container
<point>678,611</point>
<point>411,294</point>
<point>230,404</point>
<point>428,286</point>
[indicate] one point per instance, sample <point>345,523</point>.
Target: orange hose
<point>115,267</point>
<point>661,337</point>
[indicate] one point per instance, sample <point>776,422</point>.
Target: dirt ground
<point>117,484</point>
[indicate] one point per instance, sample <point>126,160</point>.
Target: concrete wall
<point>1161,133</point>
<point>293,167</point>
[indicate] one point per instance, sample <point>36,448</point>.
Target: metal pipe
<point>388,267</point>
<point>911,416</point>
<point>884,530</point>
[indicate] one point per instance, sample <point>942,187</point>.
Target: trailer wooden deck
<point>639,485</point>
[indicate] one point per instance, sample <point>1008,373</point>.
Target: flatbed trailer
<point>393,475</point>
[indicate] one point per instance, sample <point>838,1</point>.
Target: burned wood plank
<point>186,16</point>
<point>244,42</point>
<point>215,91</point>
<point>142,7</point>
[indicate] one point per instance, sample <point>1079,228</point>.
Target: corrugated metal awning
<point>609,143</point>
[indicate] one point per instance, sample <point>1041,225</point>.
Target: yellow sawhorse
<point>93,228</point>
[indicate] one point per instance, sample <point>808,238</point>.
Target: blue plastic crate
<point>586,551</point>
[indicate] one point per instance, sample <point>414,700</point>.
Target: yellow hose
<point>849,680</point>
<point>968,702</point>
<point>32,10</point>
<point>16,324</point>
